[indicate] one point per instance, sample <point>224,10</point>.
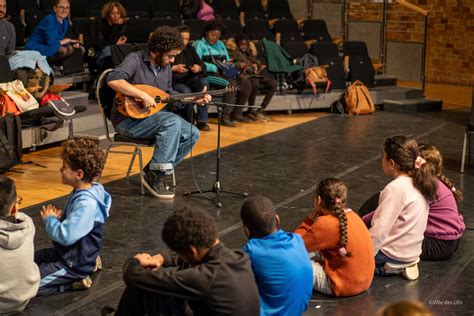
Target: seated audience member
<point>77,230</point>
<point>19,275</point>
<point>210,49</point>
<point>281,265</point>
<point>7,32</point>
<point>445,223</point>
<point>344,262</point>
<point>405,308</point>
<point>399,221</point>
<point>49,36</point>
<point>197,9</point>
<point>210,280</point>
<point>251,67</point>
<point>110,30</point>
<point>189,76</point>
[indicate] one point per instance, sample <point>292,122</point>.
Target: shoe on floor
<point>98,264</point>
<point>202,126</point>
<point>262,117</point>
<point>227,122</point>
<point>253,115</point>
<point>81,285</point>
<point>155,182</point>
<point>107,311</point>
<point>240,118</point>
<point>411,273</point>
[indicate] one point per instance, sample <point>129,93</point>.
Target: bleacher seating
<point>196,26</point>
<point>46,5</point>
<point>165,9</point>
<point>232,28</point>
<point>226,9</point>
<point>328,54</point>
<point>316,30</point>
<point>358,63</point>
<point>258,29</point>
<point>279,9</point>
<point>252,9</point>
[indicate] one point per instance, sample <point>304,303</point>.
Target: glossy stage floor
<point>285,166</point>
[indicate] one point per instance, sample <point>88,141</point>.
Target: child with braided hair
<point>400,220</point>
<point>345,264</point>
<point>445,223</point>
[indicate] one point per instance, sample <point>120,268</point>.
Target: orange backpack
<point>358,99</point>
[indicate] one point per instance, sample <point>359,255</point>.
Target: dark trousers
<point>135,301</point>
<point>194,83</point>
<point>243,94</point>
<point>55,276</point>
<point>432,249</point>
<point>262,83</point>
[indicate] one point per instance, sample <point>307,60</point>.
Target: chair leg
<point>140,165</point>
<point>463,159</point>
<point>135,151</point>
<point>105,160</point>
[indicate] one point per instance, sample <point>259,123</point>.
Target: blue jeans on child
<point>195,83</point>
<point>174,137</point>
<point>380,260</point>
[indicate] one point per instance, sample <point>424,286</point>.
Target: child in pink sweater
<point>445,223</point>
<point>400,219</point>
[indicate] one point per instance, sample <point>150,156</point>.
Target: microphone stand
<point>217,188</point>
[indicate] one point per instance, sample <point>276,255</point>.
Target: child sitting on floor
<point>445,223</point>
<point>19,275</point>
<point>77,231</point>
<point>281,265</point>
<point>210,279</point>
<point>346,263</point>
<point>400,219</point>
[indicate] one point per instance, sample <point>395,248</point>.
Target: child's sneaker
<point>411,273</point>
<point>81,285</point>
<point>98,264</point>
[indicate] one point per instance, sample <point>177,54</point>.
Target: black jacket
<point>222,284</point>
<point>188,57</point>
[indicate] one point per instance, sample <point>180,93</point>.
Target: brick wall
<point>450,46</point>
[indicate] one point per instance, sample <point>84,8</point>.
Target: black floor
<point>285,166</point>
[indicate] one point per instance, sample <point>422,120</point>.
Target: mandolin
<point>134,107</point>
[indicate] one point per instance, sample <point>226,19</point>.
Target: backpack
<point>34,80</point>
<point>10,142</point>
<point>358,99</point>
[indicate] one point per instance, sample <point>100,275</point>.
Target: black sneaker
<point>240,118</point>
<point>155,182</point>
<point>202,126</point>
<point>227,122</point>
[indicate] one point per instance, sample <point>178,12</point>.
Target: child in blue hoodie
<point>76,232</point>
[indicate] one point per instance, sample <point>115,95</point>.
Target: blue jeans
<point>195,83</point>
<point>174,137</point>
<point>380,260</point>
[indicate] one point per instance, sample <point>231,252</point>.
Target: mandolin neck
<point>196,94</point>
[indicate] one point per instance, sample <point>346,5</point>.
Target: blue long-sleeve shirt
<point>47,35</point>
<point>77,235</point>
<point>283,273</point>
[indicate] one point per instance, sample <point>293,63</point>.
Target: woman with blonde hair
<point>110,30</point>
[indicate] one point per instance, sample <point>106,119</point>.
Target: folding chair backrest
<point>232,28</point>
<point>316,30</point>
<point>226,9</point>
<point>119,52</point>
<point>253,9</point>
<point>295,49</point>
<point>324,49</point>
<point>196,26</point>
<point>279,9</point>
<point>355,48</point>
<point>258,29</point>
<point>105,97</point>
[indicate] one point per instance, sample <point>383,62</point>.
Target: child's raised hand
<point>49,210</point>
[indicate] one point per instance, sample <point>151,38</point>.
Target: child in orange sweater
<point>346,265</point>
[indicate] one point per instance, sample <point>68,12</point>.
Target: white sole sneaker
<point>411,273</point>
<point>156,194</point>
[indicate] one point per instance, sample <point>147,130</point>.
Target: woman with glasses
<point>49,36</point>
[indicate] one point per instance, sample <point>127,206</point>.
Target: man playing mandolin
<point>174,137</point>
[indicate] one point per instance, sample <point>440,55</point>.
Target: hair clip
<point>453,189</point>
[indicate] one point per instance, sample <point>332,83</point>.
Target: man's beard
<point>2,14</point>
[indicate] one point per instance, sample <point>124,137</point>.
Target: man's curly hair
<point>85,155</point>
<point>189,226</point>
<point>165,39</point>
